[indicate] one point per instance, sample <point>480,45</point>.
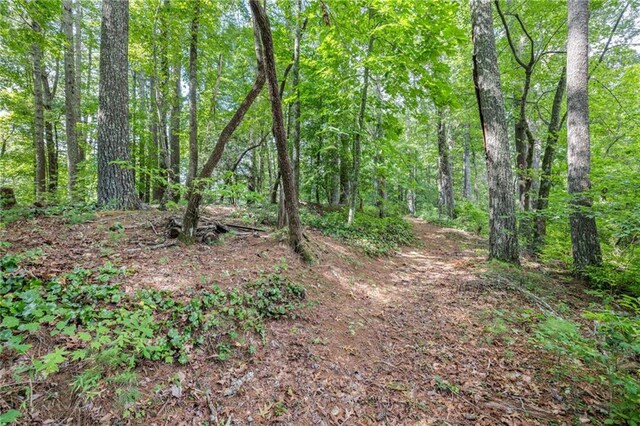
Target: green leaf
<point>9,417</point>
<point>10,322</point>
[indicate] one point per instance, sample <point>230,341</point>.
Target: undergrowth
<point>375,236</point>
<point>599,344</point>
<point>91,325</point>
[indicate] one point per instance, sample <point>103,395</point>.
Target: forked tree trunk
<point>540,228</point>
<point>195,191</point>
<point>446,203</point>
<point>116,186</point>
<point>288,183</point>
<point>38,116</point>
<point>584,233</point>
<point>70,97</point>
<point>503,237</point>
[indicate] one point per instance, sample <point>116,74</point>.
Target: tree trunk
<point>116,187</point>
<point>344,169</point>
<point>503,237</point>
<point>162,98</point>
<point>176,110</point>
<point>194,194</point>
<point>295,108</point>
<point>80,136</point>
<point>540,228</point>
<point>358,137</point>
<point>38,115</point>
<point>70,97</point>
<point>584,233</point>
<point>51,148</point>
<point>446,203</point>
<point>288,183</point>
<point>193,97</point>
<point>466,162</point>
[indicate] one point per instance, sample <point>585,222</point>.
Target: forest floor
<point>433,334</point>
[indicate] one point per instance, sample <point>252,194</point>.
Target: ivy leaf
<point>10,322</point>
<point>9,417</point>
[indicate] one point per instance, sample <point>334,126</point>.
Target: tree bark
<point>466,164</point>
<point>356,143</point>
<point>70,97</point>
<point>193,97</point>
<point>116,187</point>
<point>503,237</point>
<point>344,169</point>
<point>38,115</point>
<point>540,228</point>
<point>446,203</point>
<point>194,194</point>
<point>584,232</point>
<point>288,183</point>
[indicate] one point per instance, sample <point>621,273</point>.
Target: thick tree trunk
<point>446,203</point>
<point>193,97</point>
<point>288,183</point>
<point>195,191</point>
<point>584,233</point>
<point>466,164</point>
<point>38,116</point>
<point>503,237</point>
<point>356,143</point>
<point>540,228</point>
<point>176,110</point>
<point>70,97</point>
<point>116,187</point>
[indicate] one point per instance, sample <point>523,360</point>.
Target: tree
<point>358,137</point>
<point>193,96</point>
<point>194,193</point>
<point>71,96</point>
<point>288,180</point>
<point>584,232</point>
<point>503,237</point>
<point>116,187</point>
<point>446,203</point>
<point>38,117</point>
<point>540,228</point>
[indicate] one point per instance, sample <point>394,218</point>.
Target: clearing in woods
<point>418,337</point>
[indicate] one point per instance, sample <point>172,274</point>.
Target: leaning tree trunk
<point>38,116</point>
<point>288,183</point>
<point>540,228</point>
<point>193,97</point>
<point>356,143</point>
<point>446,203</point>
<point>116,186</point>
<point>70,97</point>
<point>503,237</point>
<point>194,194</point>
<point>584,233</point>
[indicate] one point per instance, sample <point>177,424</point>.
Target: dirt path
<point>400,340</point>
<point>414,338</point>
